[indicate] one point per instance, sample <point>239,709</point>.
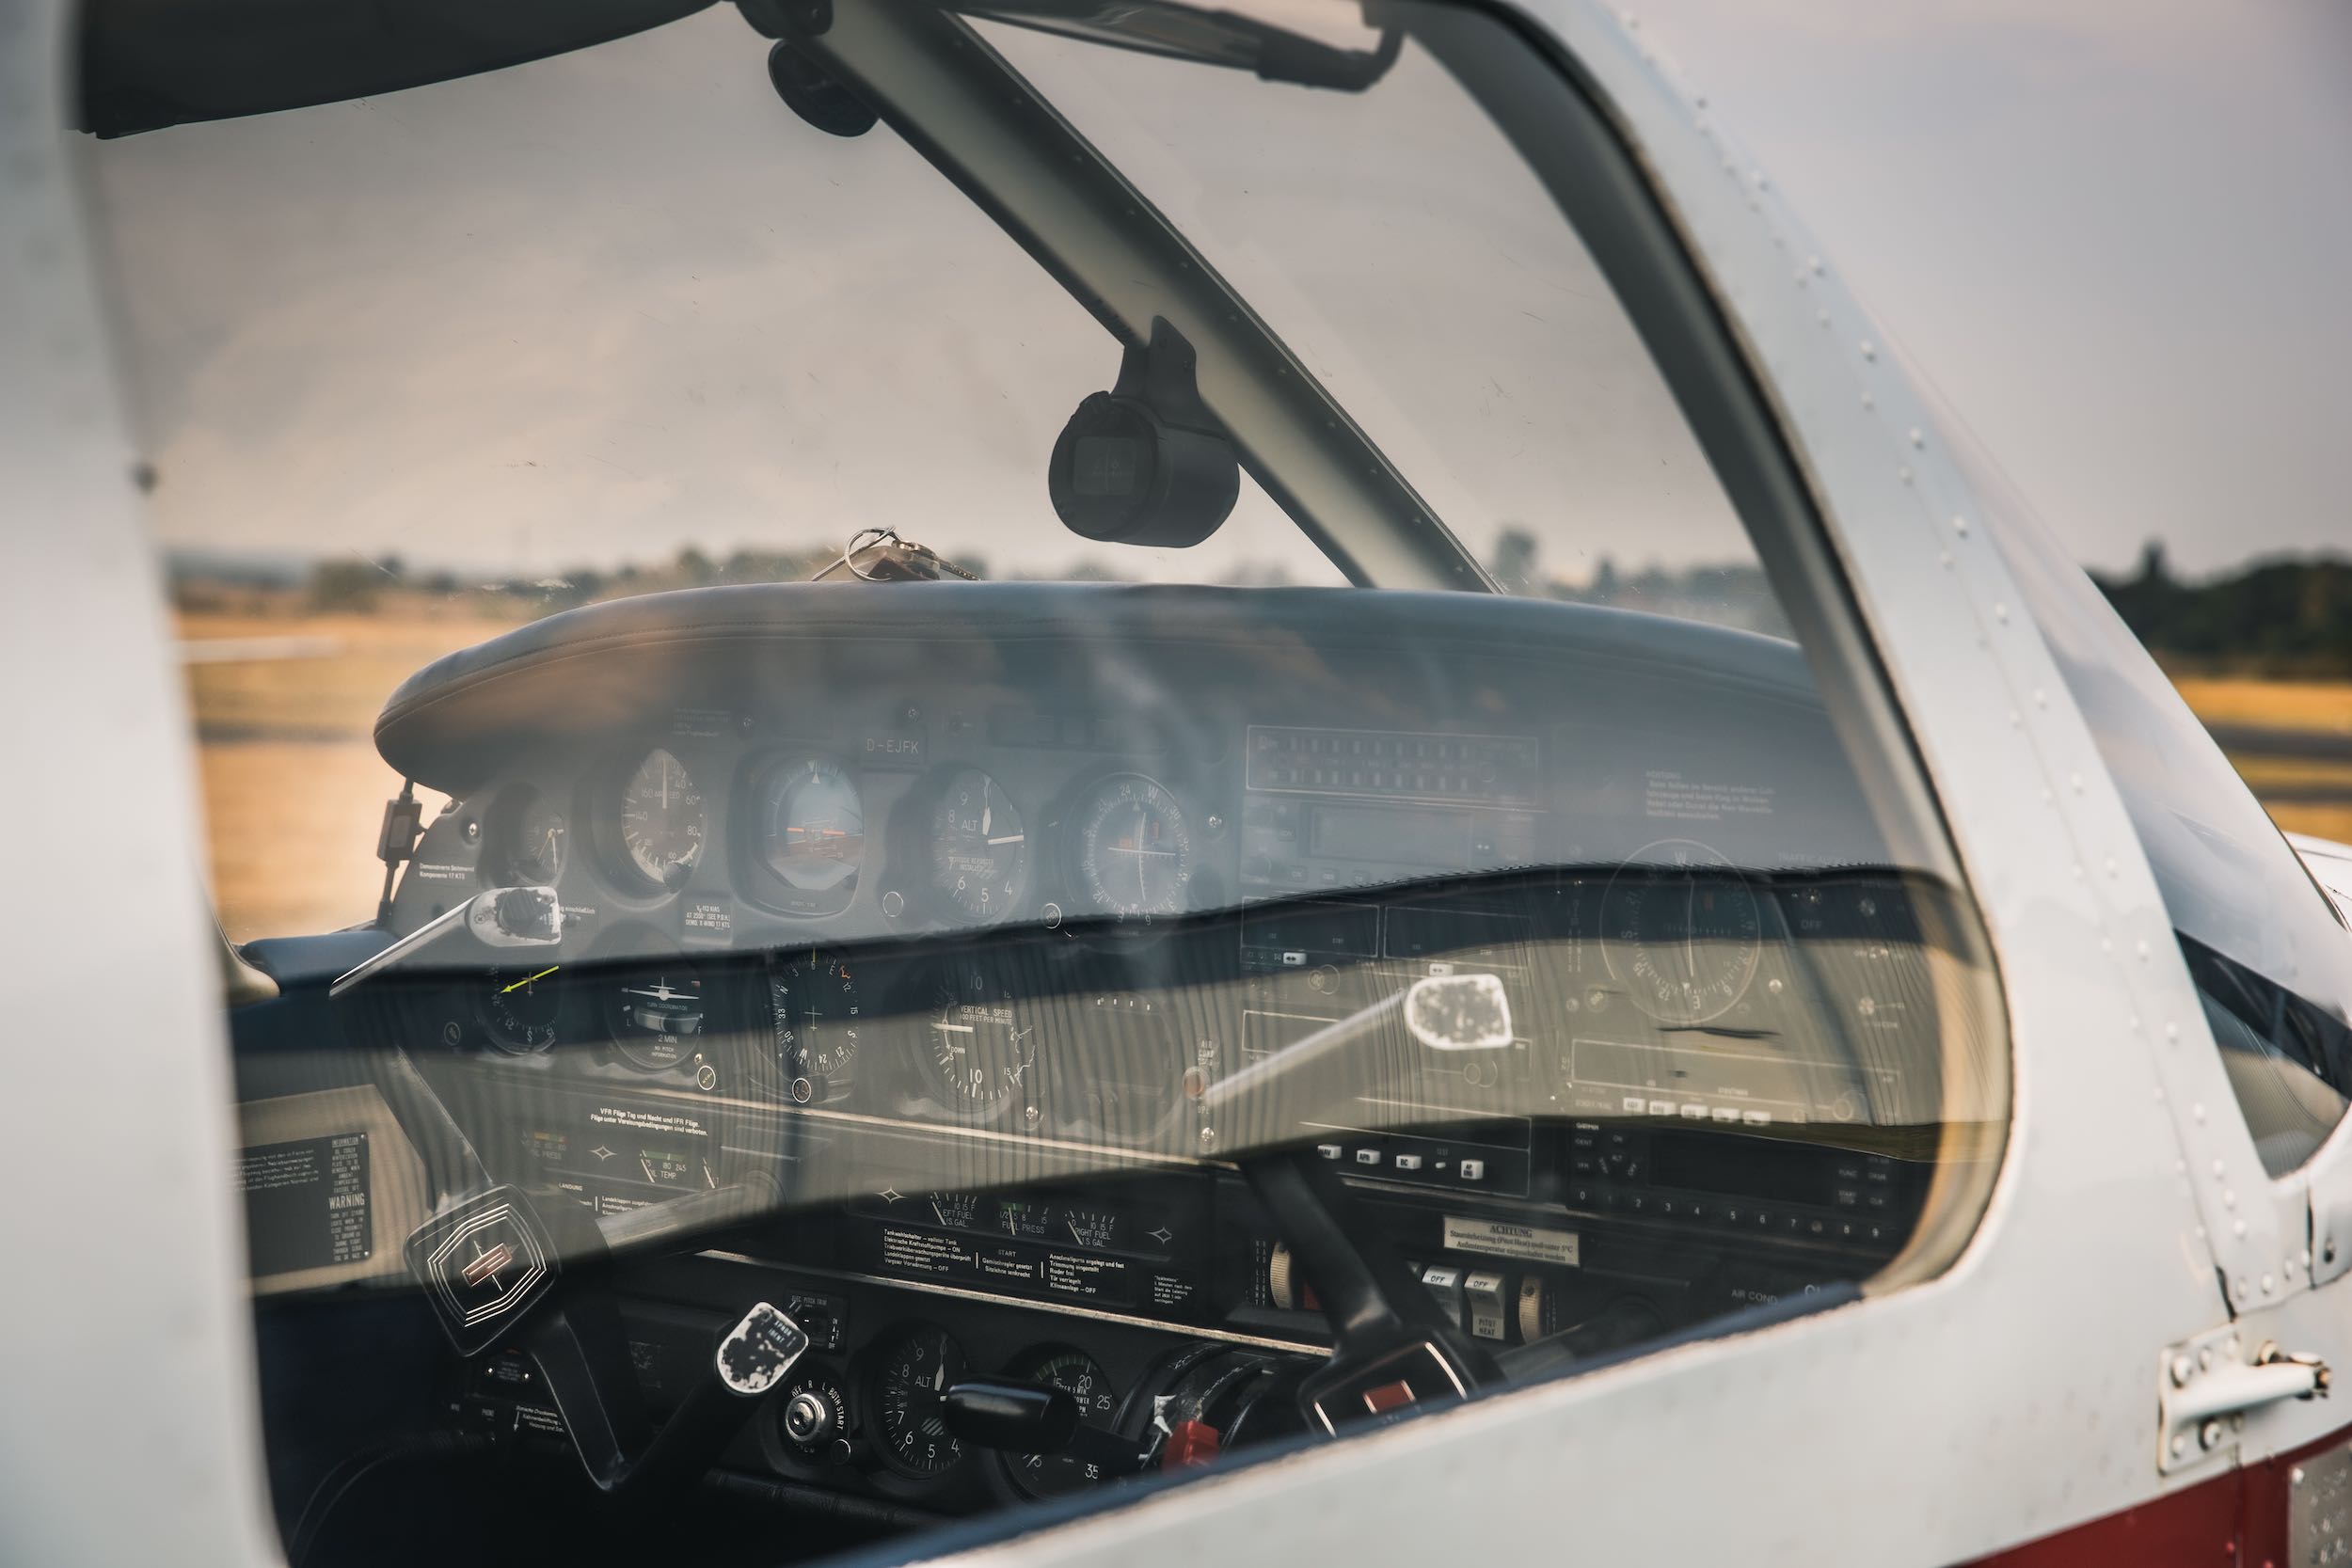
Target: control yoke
<point>1443,1012</point>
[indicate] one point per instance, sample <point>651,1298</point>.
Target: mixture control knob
<point>808,1417</point>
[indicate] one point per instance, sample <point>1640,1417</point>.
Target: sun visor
<point>147,64</point>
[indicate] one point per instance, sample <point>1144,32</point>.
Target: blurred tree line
<point>2275,618</point>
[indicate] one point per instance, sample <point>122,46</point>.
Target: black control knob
<point>1002,1413</point>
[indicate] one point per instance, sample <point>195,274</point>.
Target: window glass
<point>2267,947</point>
<point>1459,319</point>
<point>1224,992</point>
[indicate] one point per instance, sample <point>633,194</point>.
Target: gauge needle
<point>528,978</point>
<point>1690,927</point>
<point>1008,838</point>
<point>1137,837</point>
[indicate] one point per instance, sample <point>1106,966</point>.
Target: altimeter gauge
<point>911,1372</point>
<point>980,850</point>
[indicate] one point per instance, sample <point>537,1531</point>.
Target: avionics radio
<point>1346,808</point>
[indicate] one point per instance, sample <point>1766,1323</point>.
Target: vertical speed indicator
<point>981,1047</point>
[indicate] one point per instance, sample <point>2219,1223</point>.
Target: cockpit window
<point>850,683</point>
<point>2267,947</point>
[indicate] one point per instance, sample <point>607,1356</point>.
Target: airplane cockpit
<point>1168,770</point>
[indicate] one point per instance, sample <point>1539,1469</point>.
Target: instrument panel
<point>994,955</point>
<point>978,911</point>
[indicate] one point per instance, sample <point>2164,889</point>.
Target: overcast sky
<point>2116,234</point>
<point>613,303</point>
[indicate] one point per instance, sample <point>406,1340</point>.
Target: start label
<point>1527,1243</point>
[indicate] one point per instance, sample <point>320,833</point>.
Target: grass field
<point>2304,794</point>
<point>2322,705</point>
<point>296,791</point>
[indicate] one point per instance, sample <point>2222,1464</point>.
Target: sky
<point>615,303</point>
<point>2115,234</point>
<point>609,305</point>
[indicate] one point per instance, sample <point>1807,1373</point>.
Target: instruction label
<point>306,1203</point>
<point>1526,1243</point>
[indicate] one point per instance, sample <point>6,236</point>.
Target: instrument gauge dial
<point>1135,850</point>
<point>979,852</point>
<point>814,1000</point>
<point>1681,931</point>
<point>1077,1374</point>
<point>911,1371</point>
<point>658,1017</point>
<point>661,819</point>
<point>528,839</point>
<point>520,1008</point>
<point>979,1048</point>
<point>812,832</point>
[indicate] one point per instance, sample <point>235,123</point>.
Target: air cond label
<point>1524,1242</point>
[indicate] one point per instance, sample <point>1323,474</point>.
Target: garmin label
<point>1524,1242</point>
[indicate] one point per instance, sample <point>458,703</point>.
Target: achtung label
<point>1524,1242</point>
